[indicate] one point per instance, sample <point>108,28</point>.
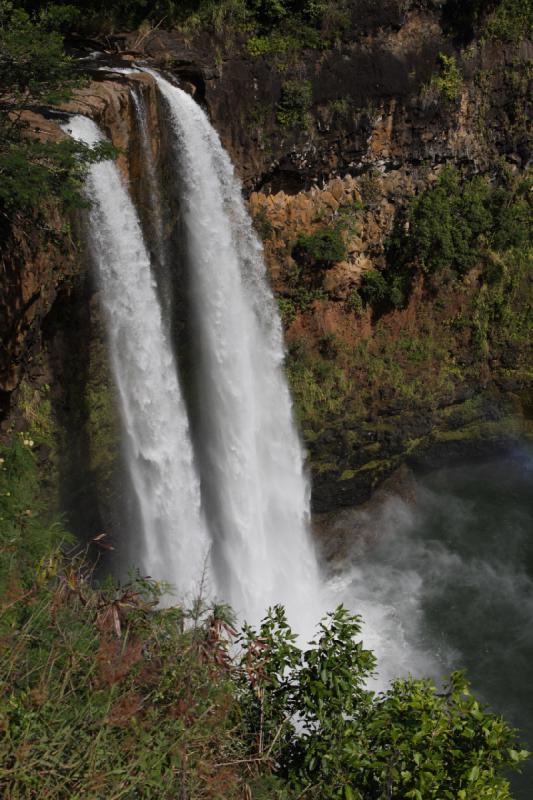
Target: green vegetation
<point>294,104</point>
<point>287,310</point>
<point>456,223</point>
<point>35,70</point>
<point>272,25</point>
<point>263,225</point>
<point>449,81</point>
<point>275,42</point>
<point>465,245</point>
<point>105,693</point>
<point>27,532</point>
<point>450,228</point>
<point>381,289</point>
<point>370,187</point>
<point>510,21</point>
<point>505,20</point>
<point>321,249</point>
<point>373,289</point>
<point>415,370</point>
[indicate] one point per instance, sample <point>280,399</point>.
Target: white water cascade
<point>254,486</point>
<point>158,448</point>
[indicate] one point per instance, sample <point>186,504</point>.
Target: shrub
<point>263,224</point>
<point>510,21</point>
<point>287,310</point>
<point>370,187</point>
<point>449,81</point>
<point>295,102</point>
<point>328,346</point>
<point>410,741</point>
<point>323,248</point>
<point>355,302</point>
<point>276,42</point>
<point>35,69</point>
<point>27,532</point>
<point>456,222</point>
<point>373,289</point>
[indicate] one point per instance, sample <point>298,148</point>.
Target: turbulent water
<point>159,455</point>
<point>448,584</point>
<point>254,488</point>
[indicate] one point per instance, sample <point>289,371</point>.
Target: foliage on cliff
<point>297,18</point>
<point>276,25</point>
<point>507,20</point>
<point>34,71</point>
<point>455,225</point>
<point>105,693</point>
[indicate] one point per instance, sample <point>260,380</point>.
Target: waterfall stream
<point>254,486</point>
<point>251,486</point>
<point>158,448</point>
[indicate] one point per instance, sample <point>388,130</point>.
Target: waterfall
<point>254,486</point>
<point>158,448</point>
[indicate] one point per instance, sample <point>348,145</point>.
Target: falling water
<point>254,486</point>
<point>158,447</point>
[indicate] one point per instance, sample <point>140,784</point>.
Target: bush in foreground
<point>103,693</point>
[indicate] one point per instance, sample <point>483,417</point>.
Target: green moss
<point>383,465</point>
<point>379,466</point>
<point>323,467</point>
<point>351,438</point>
<point>375,447</point>
<point>471,407</point>
<point>348,474</point>
<point>508,426</point>
<point>103,423</point>
<point>411,445</point>
<point>378,427</point>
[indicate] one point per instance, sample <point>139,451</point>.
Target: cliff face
<point>371,102</point>
<point>340,137</point>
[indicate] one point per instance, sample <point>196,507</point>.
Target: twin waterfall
<point>219,479</point>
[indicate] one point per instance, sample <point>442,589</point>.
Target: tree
<point>34,70</point>
<point>335,739</point>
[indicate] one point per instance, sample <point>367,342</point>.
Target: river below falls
<point>445,581</point>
